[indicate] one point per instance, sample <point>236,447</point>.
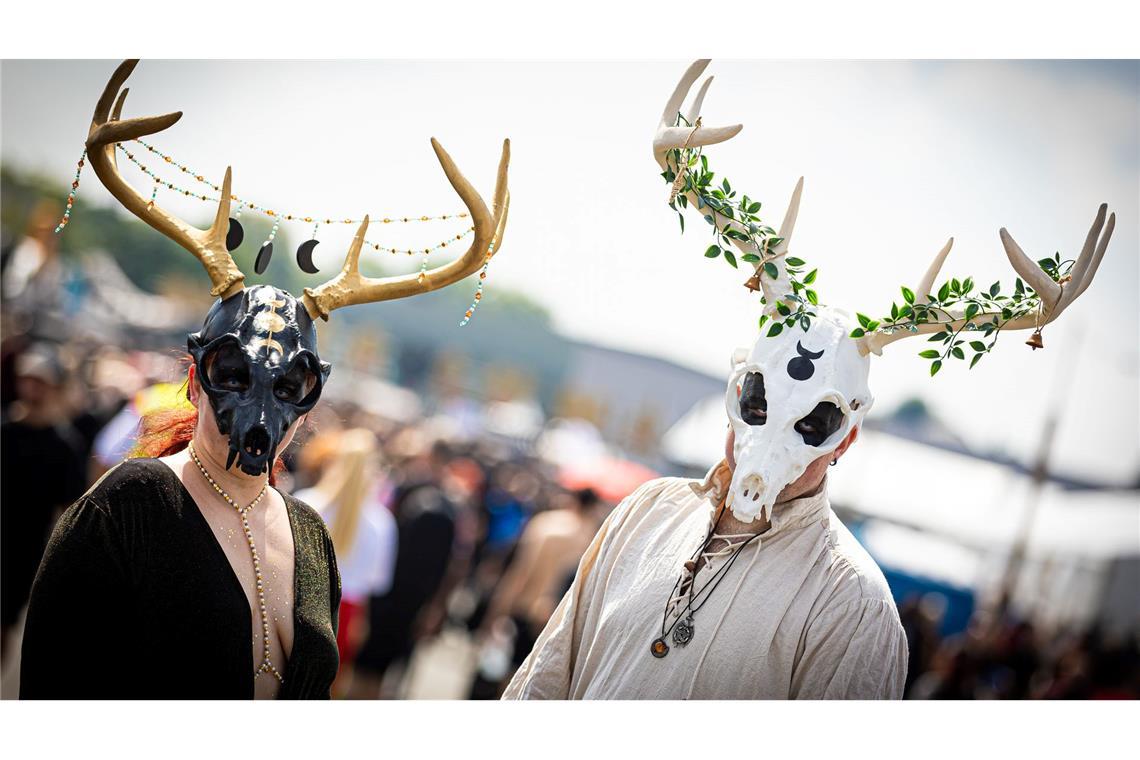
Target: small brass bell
<point>753,283</point>
<point>1034,341</point>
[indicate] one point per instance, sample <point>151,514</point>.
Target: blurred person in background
<point>32,276</point>
<point>427,519</point>
<point>541,570</point>
<point>348,497</point>
<point>43,471</point>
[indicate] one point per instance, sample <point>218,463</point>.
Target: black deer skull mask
<point>256,358</point>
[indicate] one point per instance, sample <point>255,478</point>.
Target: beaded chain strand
<point>71,196</point>
<point>241,204</point>
<point>266,664</point>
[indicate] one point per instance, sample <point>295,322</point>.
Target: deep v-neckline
<point>235,582</point>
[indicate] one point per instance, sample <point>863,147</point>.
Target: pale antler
<point>1055,297</point>
<point>671,137</point>
<point>208,246</point>
<point>350,287</point>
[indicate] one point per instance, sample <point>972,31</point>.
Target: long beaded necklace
<point>266,664</point>
<point>683,628</point>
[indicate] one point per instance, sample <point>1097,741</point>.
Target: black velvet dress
<point>135,599</point>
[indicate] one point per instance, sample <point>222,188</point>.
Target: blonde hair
<point>349,473</point>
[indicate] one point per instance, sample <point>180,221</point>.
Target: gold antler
<point>1055,297</point>
<point>208,246</point>
<point>349,287</point>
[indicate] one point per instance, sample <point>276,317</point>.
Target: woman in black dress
<point>151,587</point>
<point>187,574</point>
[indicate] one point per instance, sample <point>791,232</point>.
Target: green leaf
<point>712,252</point>
<point>783,308</point>
<point>894,310</point>
<point>908,294</point>
<point>810,278</point>
<point>995,288</point>
<point>709,219</point>
<point>805,323</point>
<point>935,366</point>
<point>776,329</point>
<point>754,207</point>
<point>857,333</point>
<point>730,258</point>
<point>975,360</point>
<point>794,262</point>
<point>771,270</point>
<point>812,297</point>
<point>977,345</point>
<point>929,354</point>
<point>968,285</point>
<point>955,286</point>
<point>681,219</point>
<point>906,311</point>
<point>944,292</point>
<point>938,336</point>
<point>958,353</point>
<point>971,310</point>
<point>872,324</point>
<point>864,320</point>
<point>751,258</point>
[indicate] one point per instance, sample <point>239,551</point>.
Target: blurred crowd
<point>439,532</point>
<point>1000,655</point>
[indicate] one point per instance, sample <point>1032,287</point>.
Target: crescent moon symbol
<point>234,235</point>
<point>263,257</point>
<point>305,256</point>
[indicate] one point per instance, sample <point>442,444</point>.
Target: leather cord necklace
<point>683,628</point>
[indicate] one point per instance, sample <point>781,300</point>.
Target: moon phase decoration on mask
<point>801,367</point>
<point>234,235</point>
<point>263,256</point>
<point>305,256</point>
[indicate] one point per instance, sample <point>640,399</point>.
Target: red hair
<point>168,430</point>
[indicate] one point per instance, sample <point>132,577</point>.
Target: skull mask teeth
<point>256,358</point>
<point>792,400</point>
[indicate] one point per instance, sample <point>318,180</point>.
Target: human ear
<point>193,389</point>
<point>850,439</point>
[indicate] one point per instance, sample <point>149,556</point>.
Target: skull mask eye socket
<point>820,423</point>
<point>297,383</point>
<point>226,368</point>
<point>753,404</point>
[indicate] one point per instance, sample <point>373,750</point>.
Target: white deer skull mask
<point>791,400</point>
<point>797,395</point>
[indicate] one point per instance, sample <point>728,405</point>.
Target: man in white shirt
<point>785,605</point>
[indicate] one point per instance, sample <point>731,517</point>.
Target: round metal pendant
<point>683,632</point>
<point>659,648</point>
